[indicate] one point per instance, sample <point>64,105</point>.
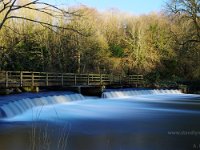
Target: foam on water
<point>127,103</point>
<point>113,104</point>
<point>16,107</point>
<point>133,120</point>
<point>115,116</point>
<point>135,92</point>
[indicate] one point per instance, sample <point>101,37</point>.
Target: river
<point>125,119</point>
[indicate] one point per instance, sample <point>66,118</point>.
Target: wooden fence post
<point>138,80</point>
<point>75,79</point>
<point>47,79</point>
<point>6,79</point>
<point>62,81</point>
<point>21,78</point>
<point>110,79</point>
<point>32,79</point>
<point>100,79</point>
<point>88,79</point>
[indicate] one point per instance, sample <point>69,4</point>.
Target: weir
<point>135,92</point>
<point>124,117</point>
<point>14,107</point>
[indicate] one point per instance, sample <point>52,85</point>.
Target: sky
<point>137,7</point>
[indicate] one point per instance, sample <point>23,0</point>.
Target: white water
<point>132,120</point>
<point>130,93</point>
<point>69,106</point>
<point>14,108</point>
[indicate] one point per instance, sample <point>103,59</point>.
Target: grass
<point>43,136</point>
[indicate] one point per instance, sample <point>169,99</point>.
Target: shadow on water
<point>152,122</point>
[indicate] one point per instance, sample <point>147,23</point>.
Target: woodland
<point>38,36</point>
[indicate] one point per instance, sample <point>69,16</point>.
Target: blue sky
<point>131,6</point>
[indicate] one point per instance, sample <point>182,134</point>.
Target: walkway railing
<point>27,79</point>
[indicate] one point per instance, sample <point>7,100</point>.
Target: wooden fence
<point>30,79</point>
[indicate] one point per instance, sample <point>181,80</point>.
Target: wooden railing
<point>26,79</point>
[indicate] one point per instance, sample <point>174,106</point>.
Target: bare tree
<point>9,10</point>
<point>189,9</point>
<point>185,16</point>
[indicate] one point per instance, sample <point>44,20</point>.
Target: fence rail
<point>26,79</point>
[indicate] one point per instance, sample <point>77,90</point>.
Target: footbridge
<point>17,79</point>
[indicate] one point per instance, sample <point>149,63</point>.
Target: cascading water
<point>122,120</point>
<point>16,107</point>
<point>135,92</point>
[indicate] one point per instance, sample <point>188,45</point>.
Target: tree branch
<point>7,13</point>
<point>22,34</point>
<point>16,7</point>
<point>61,10</point>
<point>45,23</point>
<point>41,7</point>
<point>5,5</point>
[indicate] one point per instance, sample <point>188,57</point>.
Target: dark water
<point>145,122</point>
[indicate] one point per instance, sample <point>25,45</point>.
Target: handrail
<point>9,79</point>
